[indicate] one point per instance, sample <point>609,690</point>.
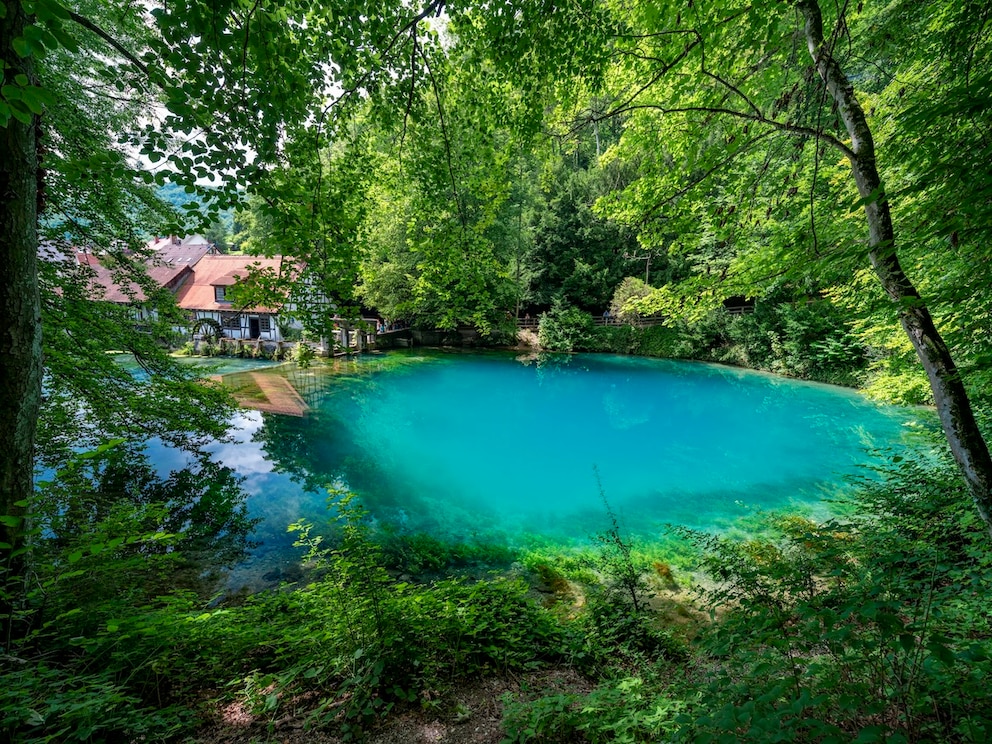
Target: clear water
<point>224,365</point>
<point>492,446</point>
<point>206,366</point>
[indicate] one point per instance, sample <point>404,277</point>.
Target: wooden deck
<point>278,396</point>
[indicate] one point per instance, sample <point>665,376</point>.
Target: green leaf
<point>22,47</point>
<point>65,577</point>
<point>49,9</point>
<point>21,115</point>
<point>941,652</point>
<point>66,39</point>
<point>40,38</point>
<point>34,717</point>
<point>35,99</point>
<point>870,734</point>
<point>101,449</point>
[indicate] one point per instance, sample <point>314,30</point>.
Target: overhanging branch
<point>90,26</point>
<point>757,118</point>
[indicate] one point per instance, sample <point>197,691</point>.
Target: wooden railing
<point>647,322</point>
<point>599,320</point>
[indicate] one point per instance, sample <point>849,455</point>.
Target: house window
<point>264,323</point>
<point>219,293</point>
<point>231,321</point>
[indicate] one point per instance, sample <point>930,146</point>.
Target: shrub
<point>419,553</point>
<point>303,355</point>
<point>805,340</point>
<point>625,710</point>
<point>615,339</point>
<point>361,641</point>
<point>565,328</point>
<point>675,341</point>
<point>42,702</point>
<point>872,630</point>
<point>631,288</point>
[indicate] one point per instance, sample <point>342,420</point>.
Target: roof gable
<point>210,272</point>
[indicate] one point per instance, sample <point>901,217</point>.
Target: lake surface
<point>496,446</point>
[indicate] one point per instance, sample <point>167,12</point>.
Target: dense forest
<point>452,164</point>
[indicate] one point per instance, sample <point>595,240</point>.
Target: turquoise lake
<point>505,447</point>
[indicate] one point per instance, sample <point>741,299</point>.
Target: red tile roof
<point>160,269</point>
<point>213,271</point>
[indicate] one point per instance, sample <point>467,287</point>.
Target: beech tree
<point>20,350</point>
<point>443,216</point>
<point>967,444</point>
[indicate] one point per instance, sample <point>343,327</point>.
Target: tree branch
<point>432,8</point>
<point>413,86</point>
<point>733,88</point>
<point>90,26</point>
<point>695,182</point>
<point>757,118</point>
<point>447,140</point>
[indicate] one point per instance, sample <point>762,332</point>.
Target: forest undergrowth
<point>874,627</point>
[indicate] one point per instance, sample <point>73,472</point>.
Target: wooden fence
<point>654,320</point>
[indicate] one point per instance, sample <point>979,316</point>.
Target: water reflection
<point>131,491</point>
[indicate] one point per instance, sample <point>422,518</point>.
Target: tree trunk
<point>956,417</point>
<point>20,347</point>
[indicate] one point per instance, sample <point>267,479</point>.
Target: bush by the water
<point>874,628</point>
<point>871,629</point>
<point>806,340</point>
<point>566,328</point>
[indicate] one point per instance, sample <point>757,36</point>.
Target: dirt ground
<point>469,714</point>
